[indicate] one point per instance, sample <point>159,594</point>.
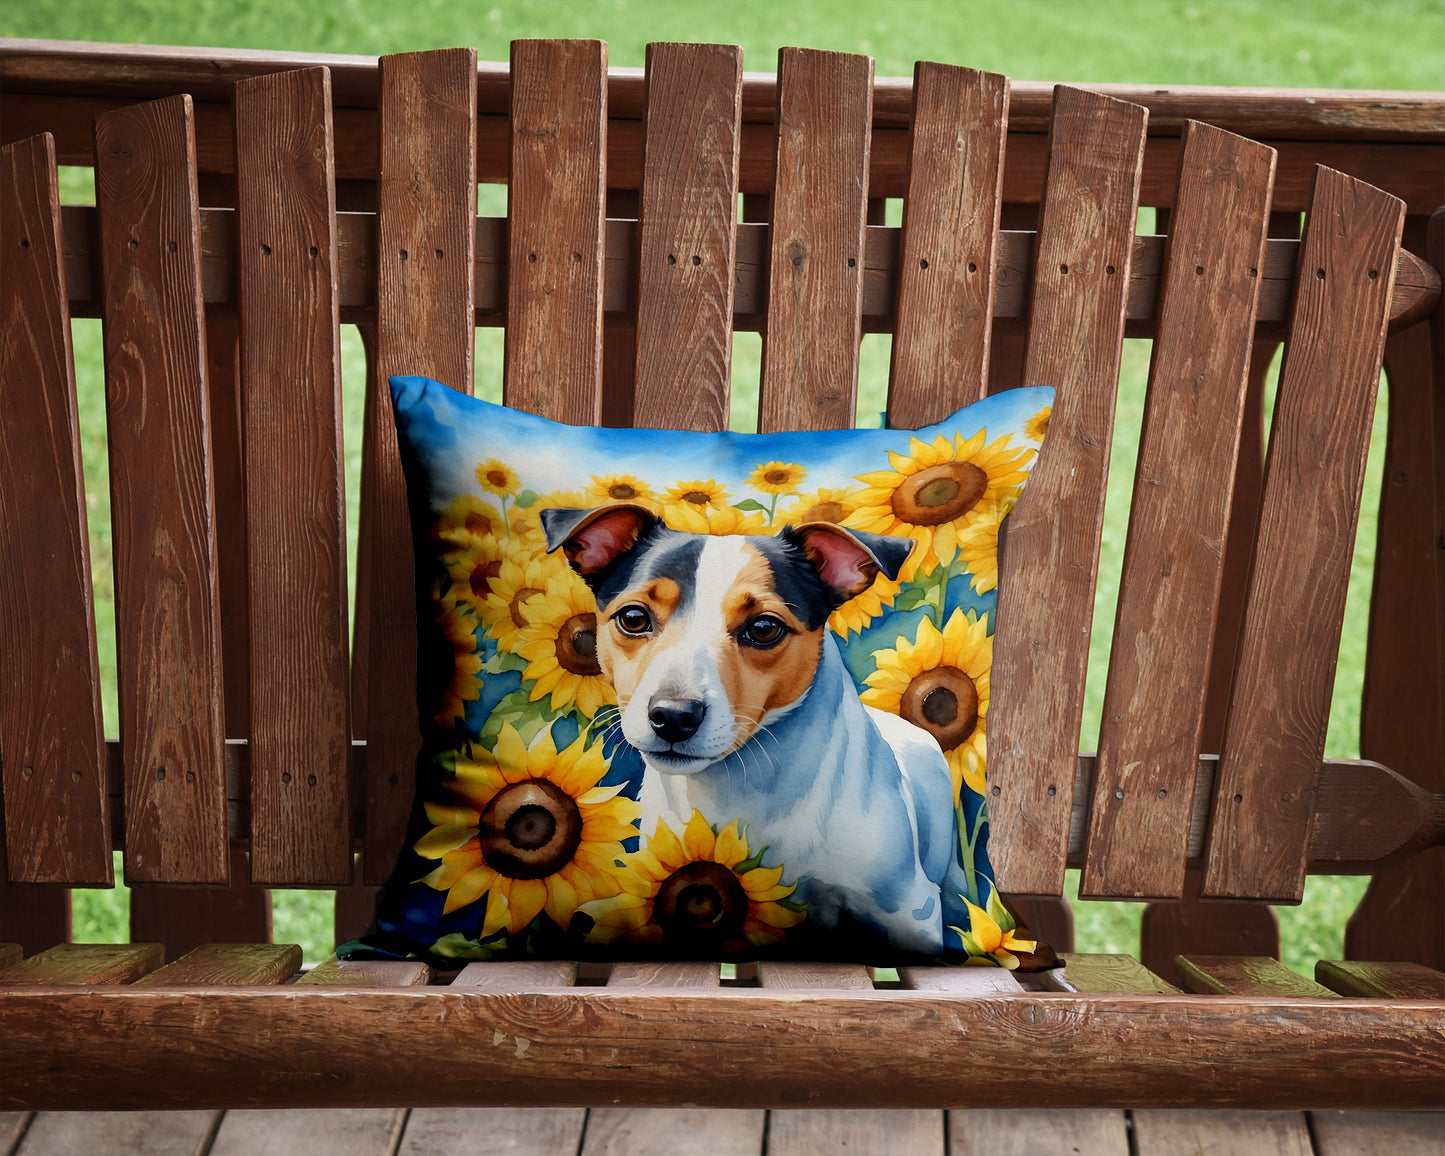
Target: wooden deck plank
<point>12,1127</point>
<point>1031,1131</point>
<point>335,972</point>
<point>119,1133</point>
<point>313,1131</point>
<point>1172,1131</point>
<point>426,222</point>
<point>1275,733</point>
<point>674,1132</point>
<point>948,250</point>
<point>85,964</point>
<point>57,822</point>
<point>1378,1133</point>
<point>857,1131</point>
<point>1381,980</point>
<point>687,236</point>
<point>167,614</point>
<point>228,963</point>
<point>295,499</point>
<point>1075,341</point>
<point>1243,975</point>
<point>816,260</point>
<point>1153,715</point>
<point>503,1131</point>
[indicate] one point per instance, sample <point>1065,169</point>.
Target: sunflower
<point>935,490</point>
<point>703,893</point>
<point>465,686</point>
<point>530,829</point>
<point>497,478</point>
<point>708,520</point>
<point>467,520</point>
<point>521,576</point>
<point>978,546</point>
<point>698,495</point>
<point>855,614</point>
<point>472,568</point>
<point>940,682</point>
<point>777,477</point>
<point>559,642</point>
<point>526,524</point>
<point>823,505</point>
<point>1038,425</point>
<point>621,488</point>
<point>988,942</point>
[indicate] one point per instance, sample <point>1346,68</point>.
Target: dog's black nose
<point>675,720</point>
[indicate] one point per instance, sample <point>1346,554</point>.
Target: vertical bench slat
<point>1154,702</point>
<point>57,821</point>
<point>182,918</point>
<point>687,236</point>
<point>1075,340</point>
<point>1275,733</point>
<point>168,641</point>
<point>555,226</point>
<point>947,265</point>
<point>815,263</point>
<point>426,223</point>
<point>286,218</point>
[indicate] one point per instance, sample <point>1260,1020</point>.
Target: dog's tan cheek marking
<point>793,668</point>
<point>624,658</point>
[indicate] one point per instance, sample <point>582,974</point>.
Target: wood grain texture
<point>1030,1131</point>
<point>10,953</point>
<point>959,980</point>
<point>674,1132</point>
<point>295,1046</point>
<point>519,975</point>
<point>1192,925</point>
<point>1153,715</point>
<point>1279,708</point>
<point>815,976</point>
<point>295,502</point>
<point>687,236</point>
<point>69,964</point>
<point>1081,274</point>
<point>228,963</point>
<point>426,217</point>
<point>33,915</point>
<point>1170,1132</point>
<point>947,267</point>
<point>867,1132</point>
<point>816,242</point>
<point>555,206</point>
<point>335,972</point>
<point>642,975</point>
<point>184,917</point>
<point>56,817</point>
<point>1097,972</point>
<point>513,1131</point>
<point>1382,980</point>
<point>1243,975</point>
<point>127,1133</point>
<point>1378,1133</point>
<point>323,1132</point>
<point>168,633</point>
<point>1435,247</point>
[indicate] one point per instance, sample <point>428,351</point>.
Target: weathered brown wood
<point>84,964</point>
<point>294,494</point>
<point>1095,972</point>
<point>664,975</point>
<point>959,980</point>
<point>947,267</point>
<point>555,205</point>
<point>56,818</point>
<point>228,963</point>
<point>426,216</point>
<point>183,917</point>
<point>814,976</point>
<point>868,1132</point>
<point>520,975</point>
<point>277,1046</point>
<point>1435,247</point>
<point>1153,714</point>
<point>151,1133</point>
<point>335,972</point>
<point>673,1132</point>
<point>1382,980</point>
<point>1081,275</point>
<point>33,915</point>
<point>1029,1131</point>
<point>10,953</point>
<point>1378,1133</point>
<point>354,1131</point>
<point>1243,975</point>
<point>1275,732</point>
<point>816,260</point>
<point>355,905</point>
<point>1172,1131</point>
<point>515,1131</point>
<point>168,636</point>
<point>1191,925</point>
<point>687,236</point>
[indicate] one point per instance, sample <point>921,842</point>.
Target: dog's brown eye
<point>634,620</point>
<point>763,631</point>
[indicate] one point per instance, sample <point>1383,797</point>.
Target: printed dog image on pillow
<point>703,696</point>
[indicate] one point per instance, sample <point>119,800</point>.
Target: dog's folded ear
<point>848,560</point>
<point>593,539</point>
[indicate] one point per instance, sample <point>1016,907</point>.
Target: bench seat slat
<point>1275,732</point>
<point>168,640</point>
<point>1243,975</point>
<point>84,964</point>
<point>295,500</point>
<point>335,972</point>
<point>1097,972</point>
<point>1075,341</point>
<point>228,963</point>
<point>56,817</point>
<point>817,976</point>
<point>1382,980</point>
<point>1154,701</point>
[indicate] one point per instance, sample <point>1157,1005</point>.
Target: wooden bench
<point>245,207</point>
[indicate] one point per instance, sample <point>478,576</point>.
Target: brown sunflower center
<point>530,830</point>
<point>944,702</point>
<point>481,577</point>
<point>939,493</point>
<point>777,477</point>
<point>621,492</point>
<point>697,497</point>
<point>577,644</point>
<point>479,523</point>
<point>497,478</point>
<point>700,899</point>
<point>514,608</point>
<point>824,512</point>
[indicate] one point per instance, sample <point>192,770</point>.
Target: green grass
<point>1313,43</point>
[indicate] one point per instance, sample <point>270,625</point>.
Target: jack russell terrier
<point>734,691</point>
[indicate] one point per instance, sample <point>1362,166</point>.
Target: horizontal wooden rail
<point>1417,284</point>
<point>140,72</point>
<point>1366,815</point>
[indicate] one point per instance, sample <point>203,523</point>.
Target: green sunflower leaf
<point>502,661</point>
<point>526,498</point>
<point>910,598</point>
<point>749,504</point>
